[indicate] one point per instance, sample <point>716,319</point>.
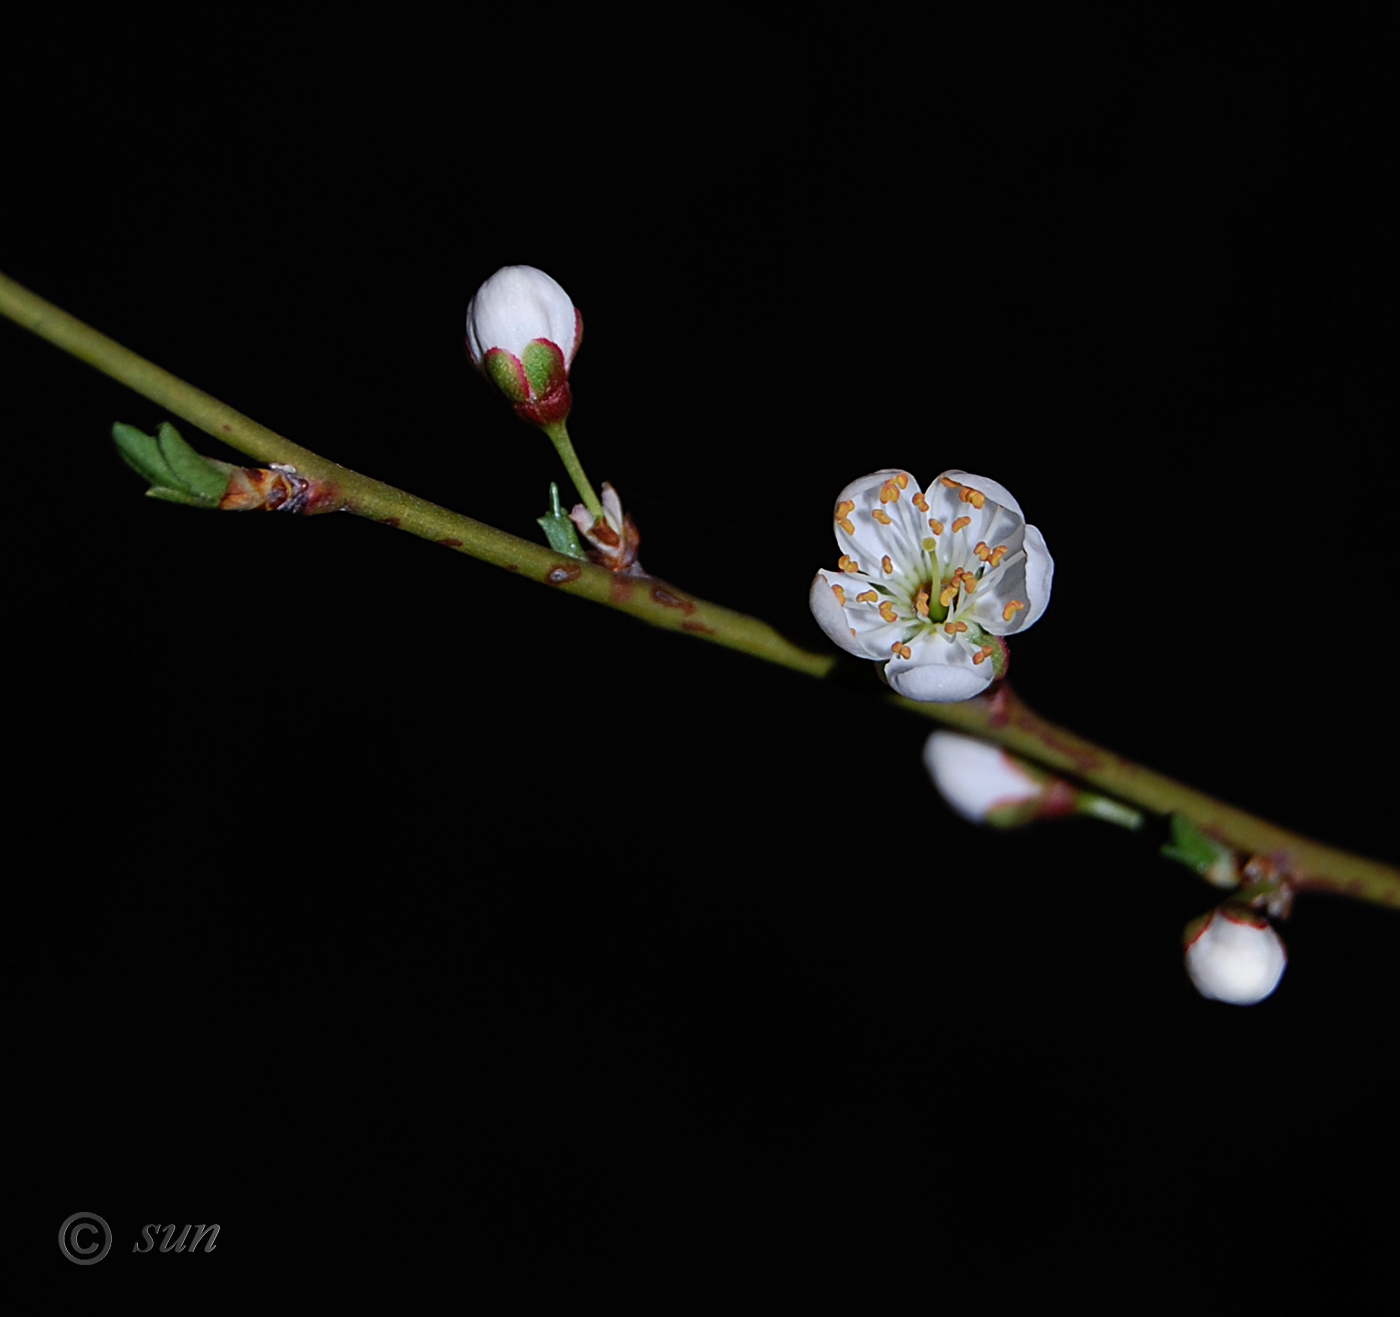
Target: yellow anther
<point>887,612</point>
<point>887,564</point>
<point>950,484</point>
<point>921,603</point>
<point>880,515</point>
<point>1011,609</point>
<point>982,655</point>
<point>952,628</point>
<point>960,523</point>
<point>920,502</point>
<point>902,650</point>
<point>949,593</point>
<point>839,593</point>
<point>997,554</point>
<point>935,525</point>
<point>902,480</point>
<point>969,583</point>
<point>929,545</point>
<point>866,597</point>
<point>843,515</point>
<point>889,492</point>
<point>974,496</point>
<point>982,551</point>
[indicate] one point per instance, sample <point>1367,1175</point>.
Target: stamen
<point>843,515</point>
<point>920,502</point>
<point>881,516</point>
<point>889,491</point>
<point>902,650</point>
<point>1011,609</point>
<point>947,595</point>
<point>982,551</point>
<point>867,597</point>
<point>952,628</point>
<point>887,612</point>
<point>902,480</point>
<point>997,555</point>
<point>982,655</point>
<point>969,582</point>
<point>921,603</point>
<point>887,564</point>
<point>974,496</point>
<point>935,525</point>
<point>840,594</point>
<point>960,523</point>
<point>950,484</point>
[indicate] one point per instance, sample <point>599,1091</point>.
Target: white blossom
<point>929,581</point>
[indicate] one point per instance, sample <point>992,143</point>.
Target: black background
<point>373,884</point>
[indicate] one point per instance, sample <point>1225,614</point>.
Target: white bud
<point>976,778</point>
<point>1234,956</point>
<point>517,306</point>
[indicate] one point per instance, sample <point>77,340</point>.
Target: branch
<point>999,717</point>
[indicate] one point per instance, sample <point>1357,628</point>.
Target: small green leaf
<point>175,472</point>
<point>1213,860</point>
<point>197,475</point>
<point>1189,846</point>
<point>177,496</point>
<point>558,529</point>
<point>141,452</point>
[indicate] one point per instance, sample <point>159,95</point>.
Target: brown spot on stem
<point>699,627</point>
<point>668,600</point>
<point>451,543</point>
<point>559,574</point>
<point>389,521</point>
<point>620,590</point>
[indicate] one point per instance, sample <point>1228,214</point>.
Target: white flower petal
<point>892,527</point>
<point>997,493</point>
<point>515,306</point>
<point>975,777</point>
<point>1040,572</point>
<point>942,675</point>
<point>830,614</point>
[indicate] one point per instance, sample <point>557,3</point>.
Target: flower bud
<point>523,332</point>
<point>1233,955</point>
<point>986,785</point>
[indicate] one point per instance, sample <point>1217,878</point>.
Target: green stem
<point>1001,717</point>
<point>563,445</point>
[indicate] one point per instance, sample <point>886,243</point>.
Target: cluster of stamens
<point>952,591</point>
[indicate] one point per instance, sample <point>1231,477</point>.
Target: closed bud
<point>1233,955</point>
<point>523,332</point>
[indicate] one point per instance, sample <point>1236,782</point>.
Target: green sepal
<point>504,371</point>
<point>558,529</point>
<point>543,367</point>
<point>175,472</point>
